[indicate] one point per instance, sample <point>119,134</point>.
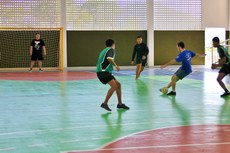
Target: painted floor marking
<point>5,149</point>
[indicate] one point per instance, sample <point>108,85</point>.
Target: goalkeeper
<point>36,47</point>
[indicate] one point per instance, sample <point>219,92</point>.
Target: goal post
<point>15,46</point>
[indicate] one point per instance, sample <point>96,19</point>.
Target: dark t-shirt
<point>140,50</point>
<point>105,62</point>
<point>37,45</point>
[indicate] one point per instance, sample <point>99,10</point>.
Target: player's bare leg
<point>219,80</point>
<point>120,105</point>
<point>138,71</point>
<point>172,84</point>
<point>113,87</point>
<point>40,64</point>
<point>118,91</point>
<point>32,65</point>
<point>221,83</point>
<point>142,69</point>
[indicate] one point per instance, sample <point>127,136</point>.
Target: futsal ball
<point>164,90</point>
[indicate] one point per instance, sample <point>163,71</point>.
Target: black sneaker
<point>106,107</point>
<point>225,94</point>
<point>122,106</point>
<point>172,93</point>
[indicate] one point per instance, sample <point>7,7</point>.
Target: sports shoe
<point>172,93</point>
<point>40,70</point>
<point>106,107</point>
<point>122,106</point>
<point>30,70</point>
<point>225,94</point>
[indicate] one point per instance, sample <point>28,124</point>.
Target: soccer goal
<point>15,45</point>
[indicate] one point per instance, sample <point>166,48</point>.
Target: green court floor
<point>60,116</point>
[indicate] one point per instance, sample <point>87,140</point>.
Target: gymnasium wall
<point>166,41</point>
<point>84,46</point>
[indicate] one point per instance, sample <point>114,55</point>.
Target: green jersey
<point>223,52</point>
<point>103,65</point>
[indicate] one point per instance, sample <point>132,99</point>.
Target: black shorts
<point>140,61</point>
<point>36,56</point>
<point>181,74</point>
<point>225,69</point>
<point>105,77</point>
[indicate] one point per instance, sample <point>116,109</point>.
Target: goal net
<point>15,46</point>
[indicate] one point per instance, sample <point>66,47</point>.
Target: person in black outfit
<point>140,51</point>
<point>36,47</point>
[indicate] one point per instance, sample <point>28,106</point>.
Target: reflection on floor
<point>50,115</point>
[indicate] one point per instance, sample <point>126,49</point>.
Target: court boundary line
<point>103,146</point>
<point>156,147</point>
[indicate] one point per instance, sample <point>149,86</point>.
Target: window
<point>30,13</point>
<point>106,14</point>
<point>177,14</point>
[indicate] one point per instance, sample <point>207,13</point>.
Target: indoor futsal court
<point>165,64</point>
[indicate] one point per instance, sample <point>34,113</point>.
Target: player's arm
<point>199,55</point>
<point>111,60</point>
<point>146,53</point>
<point>134,54</point>
<point>173,61</point>
<point>221,61</point>
<point>147,50</point>
<point>31,50</point>
<point>44,50</point>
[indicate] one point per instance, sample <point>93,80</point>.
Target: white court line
<point>37,145</point>
<point>155,147</point>
<point>70,141</point>
<point>94,126</point>
<point>4,149</point>
<point>169,146</point>
<point>77,140</point>
<point>101,138</point>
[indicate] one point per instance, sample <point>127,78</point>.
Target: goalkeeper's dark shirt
<point>37,45</point>
<point>140,50</point>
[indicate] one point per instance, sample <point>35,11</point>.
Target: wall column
<point>150,32</point>
<point>63,25</point>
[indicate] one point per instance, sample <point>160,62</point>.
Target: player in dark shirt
<point>104,71</point>
<point>36,47</point>
<point>224,63</point>
<point>140,51</point>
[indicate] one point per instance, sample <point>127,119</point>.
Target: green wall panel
<point>83,47</point>
<point>166,42</point>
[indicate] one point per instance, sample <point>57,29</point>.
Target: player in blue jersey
<point>184,57</point>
